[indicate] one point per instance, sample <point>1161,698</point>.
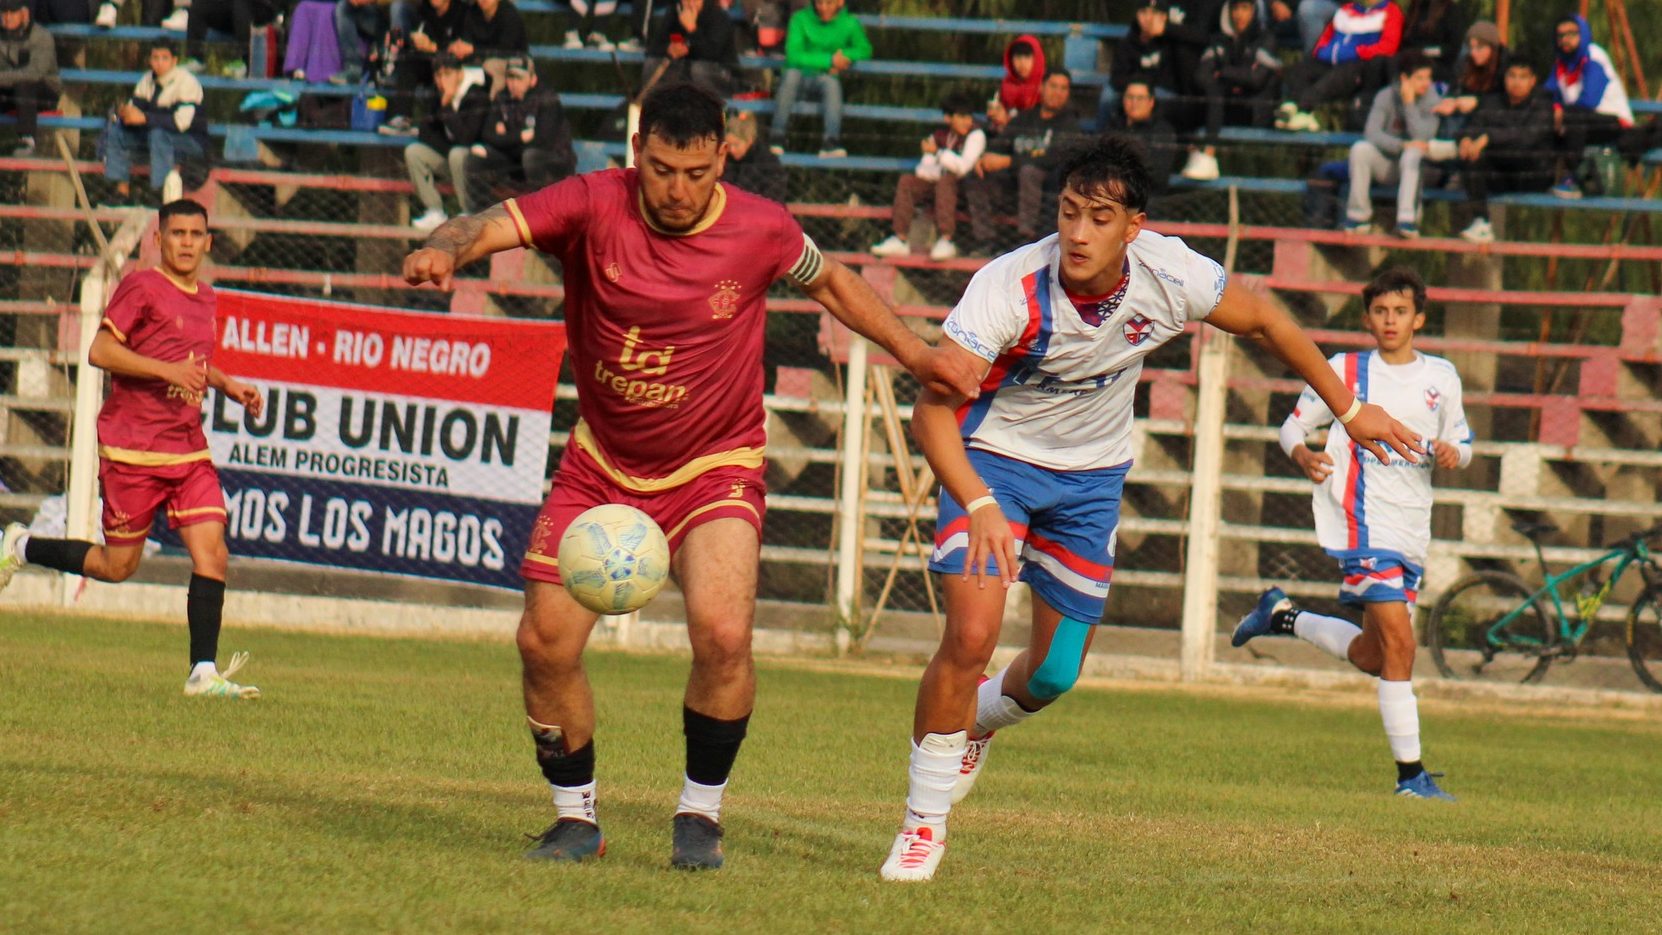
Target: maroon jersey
<point>665,329</point>
<point>152,422</point>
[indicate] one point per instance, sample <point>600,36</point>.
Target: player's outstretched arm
<point>109,354</point>
<point>935,426</point>
<point>856,304</point>
<point>246,394</point>
<point>1245,313</point>
<point>458,242</point>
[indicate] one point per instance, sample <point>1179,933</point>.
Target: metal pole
<point>850,524</point>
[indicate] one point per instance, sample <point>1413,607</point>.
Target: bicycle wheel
<point>1459,631</point>
<point>1644,638</point>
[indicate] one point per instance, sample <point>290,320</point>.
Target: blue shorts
<point>1378,579</point>
<point>1064,523</point>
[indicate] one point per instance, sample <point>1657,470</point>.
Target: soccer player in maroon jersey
<point>666,277</point>
<point>156,341</point>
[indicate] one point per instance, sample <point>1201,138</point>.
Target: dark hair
<point>1112,167</point>
<point>1411,61</point>
<point>1395,279</point>
<point>164,43</point>
<point>183,207</point>
<point>1525,64</point>
<point>1022,47</point>
<point>961,102</point>
<point>683,113</point>
<point>1058,70</point>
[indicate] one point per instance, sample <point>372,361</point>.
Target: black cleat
<point>569,839</point>
<point>697,843</point>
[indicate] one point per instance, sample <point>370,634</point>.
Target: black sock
<point>1407,771</point>
<point>563,767</point>
<point>65,555</point>
<point>712,746</point>
<point>204,608</point>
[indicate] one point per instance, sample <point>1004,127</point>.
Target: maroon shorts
<point>580,483</point>
<point>132,492</point>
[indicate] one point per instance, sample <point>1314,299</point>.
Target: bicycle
<point>1491,625</point>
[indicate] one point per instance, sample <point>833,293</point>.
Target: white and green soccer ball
<point>613,559</point>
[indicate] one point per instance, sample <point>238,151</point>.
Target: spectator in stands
<point>1239,74</point>
<point>1434,28</point>
<point>28,71</point>
<point>1397,141</point>
<point>1148,53</point>
<point>821,45</point>
<point>1020,164</point>
<point>1478,75</point>
<point>163,115</point>
<point>1024,74</point>
<point>440,151</point>
<point>692,40</point>
<point>236,17</point>
<point>1502,146</point>
<point>525,143</point>
<point>1348,59</point>
<point>996,119</point>
<point>949,154</point>
<point>1589,101</point>
<point>751,166</point>
<point>1139,118</point>
<point>168,14</point>
<point>768,20</point>
<point>492,31</point>
<point>438,24</point>
<point>359,28</point>
<point>595,21</point>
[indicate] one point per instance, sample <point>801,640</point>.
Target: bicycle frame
<point>1625,557</point>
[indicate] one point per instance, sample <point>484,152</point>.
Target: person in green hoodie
<point>821,44</point>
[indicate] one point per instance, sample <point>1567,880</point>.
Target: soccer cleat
<point>975,756</point>
<point>914,856</point>
<point>944,249</point>
<point>9,560</point>
<point>1423,786</point>
<point>695,843</point>
<point>219,685</point>
<point>893,246</point>
<point>570,840</point>
<point>1261,622</point>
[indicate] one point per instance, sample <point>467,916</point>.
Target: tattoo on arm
<point>463,237</point>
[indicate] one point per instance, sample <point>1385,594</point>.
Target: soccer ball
<point>613,559</point>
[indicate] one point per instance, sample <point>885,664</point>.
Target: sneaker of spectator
<point>1201,166</point>
<point>106,17</point>
<point>1408,230</point>
<point>25,147</point>
<point>572,40</point>
<point>235,68</point>
<point>429,220</point>
<point>1478,231</point>
<point>193,65</point>
<point>178,20</point>
<point>348,76</point>
<point>397,126</point>
<point>943,249</point>
<point>891,246</point>
<point>832,149</point>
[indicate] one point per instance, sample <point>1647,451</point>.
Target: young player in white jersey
<point>1032,469</point>
<point>1375,516</point>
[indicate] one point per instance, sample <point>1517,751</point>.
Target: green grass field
<point>383,785</point>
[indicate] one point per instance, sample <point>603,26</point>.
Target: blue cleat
<point>1423,786</point>
<point>1261,622</point>
<point>569,840</point>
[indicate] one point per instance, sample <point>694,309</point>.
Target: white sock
<point>20,548</point>
<point>994,709</point>
<point>1328,634</point>
<point>575,802</point>
<point>1401,713</point>
<point>699,799</point>
<point>933,773</point>
<point>205,670</point>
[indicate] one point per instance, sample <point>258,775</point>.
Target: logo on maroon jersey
<point>725,301</point>
<point>1433,398</point>
<point>179,321</point>
<point>1138,329</point>
<point>614,272</point>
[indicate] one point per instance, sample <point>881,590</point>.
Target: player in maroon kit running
<point>155,341</point>
<point>666,277</point>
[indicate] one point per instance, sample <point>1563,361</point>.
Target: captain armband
<point>809,265</point>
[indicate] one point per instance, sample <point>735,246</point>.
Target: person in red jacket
<point>1024,74</point>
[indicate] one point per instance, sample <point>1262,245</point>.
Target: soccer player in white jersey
<point>1374,515</point>
<point>1032,469</point>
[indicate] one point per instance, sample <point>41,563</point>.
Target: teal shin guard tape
<point>1060,668</point>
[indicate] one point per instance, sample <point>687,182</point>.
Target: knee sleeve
<point>1059,669</point>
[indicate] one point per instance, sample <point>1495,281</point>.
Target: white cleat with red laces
<point>914,856</point>
<point>975,756</point>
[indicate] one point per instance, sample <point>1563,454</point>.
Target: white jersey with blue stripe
<point>1060,390</point>
<point>1367,508</point>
